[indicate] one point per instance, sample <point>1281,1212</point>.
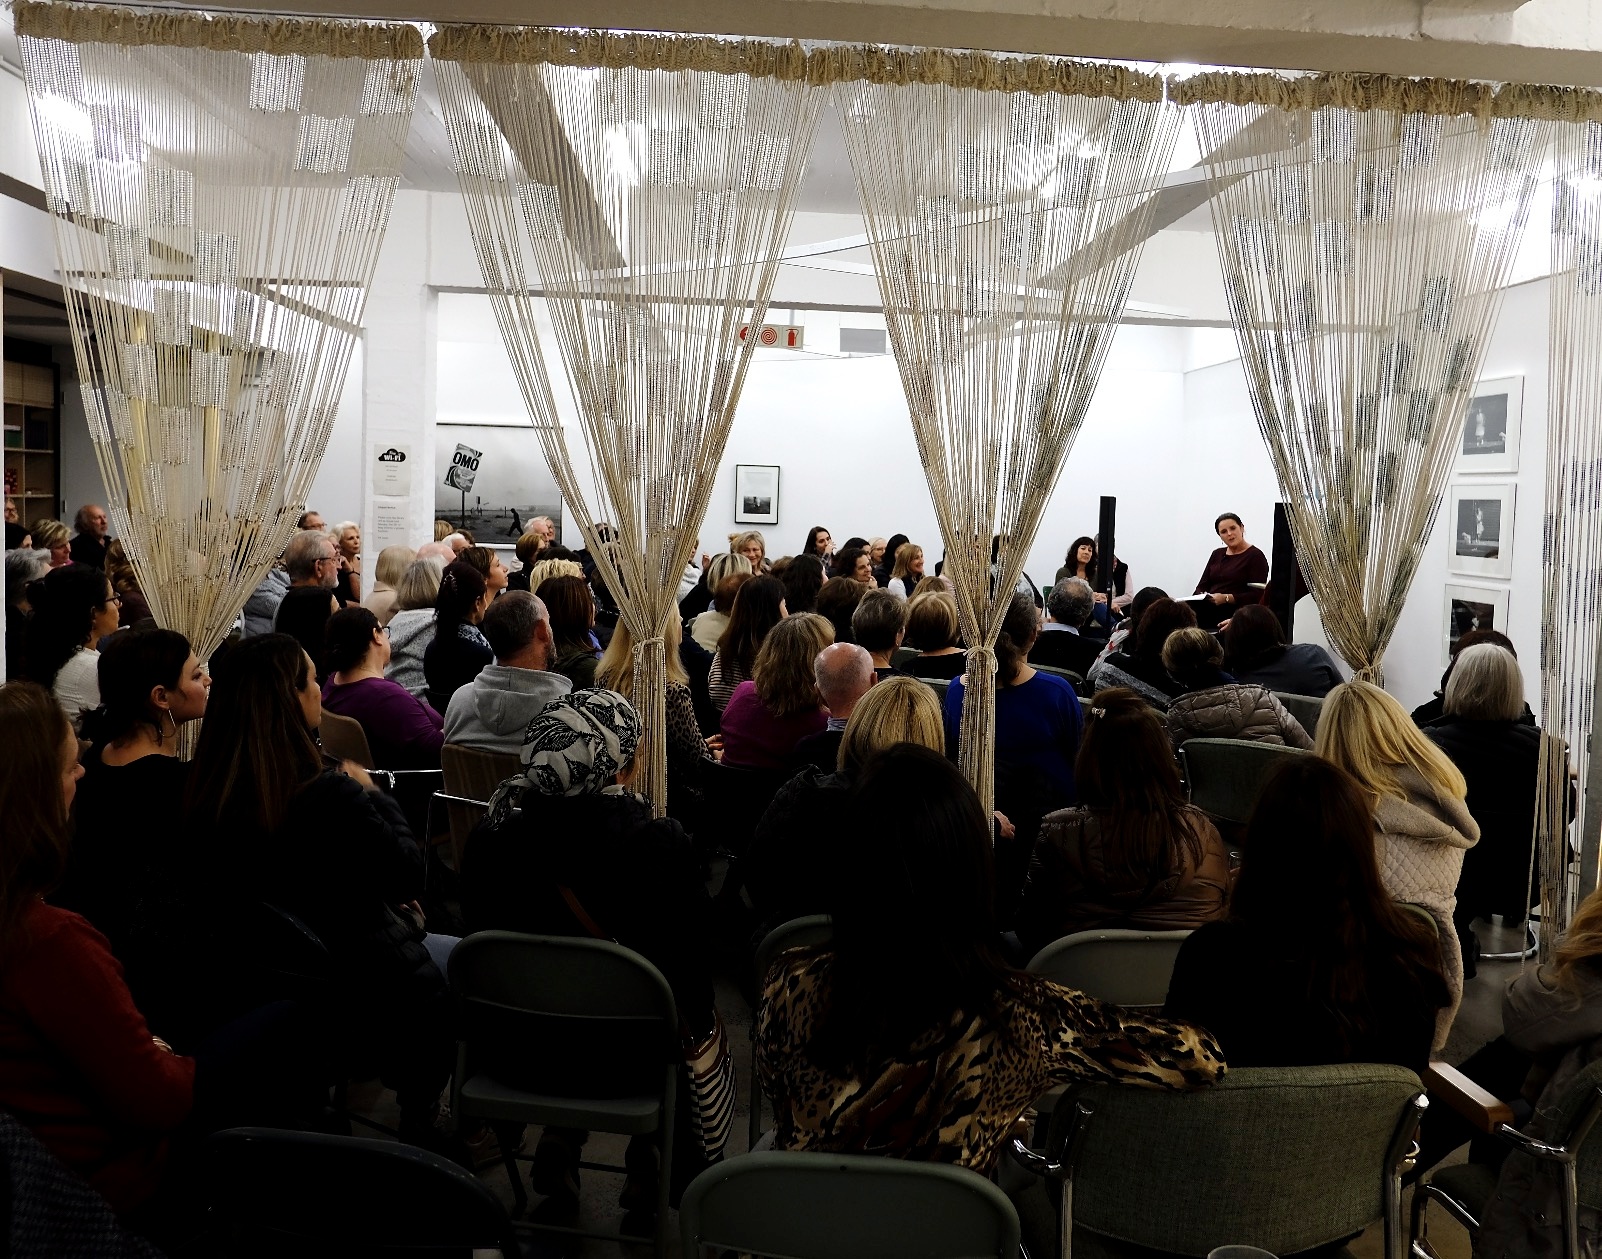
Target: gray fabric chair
<point>795,934</point>
<point>1068,674</point>
<point>1305,708</point>
<point>565,1031</point>
<point>1226,776</point>
<point>843,1206</point>
<point>1465,1190</point>
<point>1125,967</point>
<point>1283,1158</point>
<point>939,686</point>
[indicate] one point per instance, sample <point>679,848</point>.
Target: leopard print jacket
<point>955,1094</point>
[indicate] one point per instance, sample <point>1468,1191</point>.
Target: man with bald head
<point>844,672</point>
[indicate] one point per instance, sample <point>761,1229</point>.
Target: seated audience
<point>151,684</point>
<point>932,629</point>
<point>262,606</point>
<point>769,715</point>
<point>493,712</point>
<point>489,566</point>
<point>457,651</point>
<point>910,1004</point>
<point>347,536</point>
<point>571,607</point>
<point>1499,756</point>
<point>854,562</point>
<point>793,860</point>
<point>724,577</point>
<point>1316,963</point>
<point>1064,642</point>
<point>1142,670</point>
<point>17,535</point>
<point>753,547</point>
<point>568,849</point>
<point>23,568</point>
<point>527,550</point>
<point>837,602</point>
<point>1435,707</point>
<point>1422,824</point>
<point>387,573</point>
<point>74,607</point>
<point>878,625</point>
<point>1124,637</point>
<point>803,578</point>
<point>80,1070</point>
<point>303,614</point>
<point>844,672</point>
<point>1133,854</point>
<point>411,627</point>
<point>906,572</point>
<point>884,562</point>
<point>686,749</point>
<point>50,536</point>
<point>125,582</point>
<point>818,543</point>
<point>402,731</point>
<point>758,607</point>
<point>1255,651</point>
<point>259,794</point>
<point>1037,717</point>
<point>1214,705</point>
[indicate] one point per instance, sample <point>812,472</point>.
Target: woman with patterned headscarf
<point>568,849</point>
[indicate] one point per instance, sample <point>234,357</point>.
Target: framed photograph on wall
<point>1481,516</point>
<point>1472,608</point>
<point>756,493</point>
<point>1490,438</point>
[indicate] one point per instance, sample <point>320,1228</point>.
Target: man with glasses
<point>309,560</point>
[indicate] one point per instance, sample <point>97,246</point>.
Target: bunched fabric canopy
<point>639,189</point>
<point>1006,202</point>
<point>219,188</point>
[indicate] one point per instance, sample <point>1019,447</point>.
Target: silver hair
<point>1486,685</point>
<point>1071,601</point>
<point>23,565</point>
<point>419,584</point>
<point>844,672</point>
<point>305,549</point>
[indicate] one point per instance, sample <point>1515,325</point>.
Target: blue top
<point>1037,728</point>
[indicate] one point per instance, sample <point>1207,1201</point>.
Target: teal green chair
<point>1282,1158</point>
<point>1125,967</point>
<point>1225,776</point>
<point>1305,708</point>
<point>795,934</point>
<point>1465,1189</point>
<point>846,1206</point>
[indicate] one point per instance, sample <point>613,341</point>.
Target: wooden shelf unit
<point>32,431</point>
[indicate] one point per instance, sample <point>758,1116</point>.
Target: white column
<point>398,380</point>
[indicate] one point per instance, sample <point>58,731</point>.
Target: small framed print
<point>1472,608</point>
<point>756,493</point>
<point>1481,516</point>
<point>1490,438</point>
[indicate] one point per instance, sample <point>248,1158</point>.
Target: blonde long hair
<point>1365,731</point>
<point>616,669</point>
<point>897,710</point>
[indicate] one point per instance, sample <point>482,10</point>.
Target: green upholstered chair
<point>1125,967</point>
<point>1225,776</point>
<point>844,1206</point>
<point>1283,1158</point>
<point>1305,708</point>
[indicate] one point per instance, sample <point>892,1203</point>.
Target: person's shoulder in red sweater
<point>79,1066</point>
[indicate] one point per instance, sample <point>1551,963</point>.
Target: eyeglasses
<point>115,600</point>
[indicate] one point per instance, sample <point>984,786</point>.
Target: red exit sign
<point>776,336</point>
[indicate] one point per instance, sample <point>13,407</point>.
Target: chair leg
<point>506,1136</point>
<point>664,1183</point>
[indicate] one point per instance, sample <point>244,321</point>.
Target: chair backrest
<point>1578,1110</point>
<point>563,1015</point>
<point>1075,678</point>
<point>736,798</point>
<point>843,1206</point>
<point>1226,775</point>
<point>272,1192</point>
<point>1283,1158</point>
<point>1305,708</point>
<point>795,934</point>
<point>472,774</point>
<point>939,685</point>
<point>286,959</point>
<point>1125,967</point>
<point>344,739</point>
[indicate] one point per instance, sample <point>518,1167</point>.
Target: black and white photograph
<point>493,479</point>
<point>756,493</point>
<point>1471,608</point>
<point>1481,517</point>
<point>1490,438</point>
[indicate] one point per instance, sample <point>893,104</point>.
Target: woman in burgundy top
<point>1231,570</point>
<point>78,1066</point>
<point>402,731</point>
<point>780,706</point>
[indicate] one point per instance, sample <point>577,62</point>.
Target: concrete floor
<point>1478,1021</point>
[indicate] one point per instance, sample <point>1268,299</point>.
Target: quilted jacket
<point>1420,844</point>
<point>1236,710</point>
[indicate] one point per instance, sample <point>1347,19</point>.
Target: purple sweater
<point>402,731</point>
<point>755,739</point>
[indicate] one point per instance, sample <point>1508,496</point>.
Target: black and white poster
<point>1471,608</point>
<point>756,494</point>
<point>1490,437</point>
<point>1481,515</point>
<point>493,480</point>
